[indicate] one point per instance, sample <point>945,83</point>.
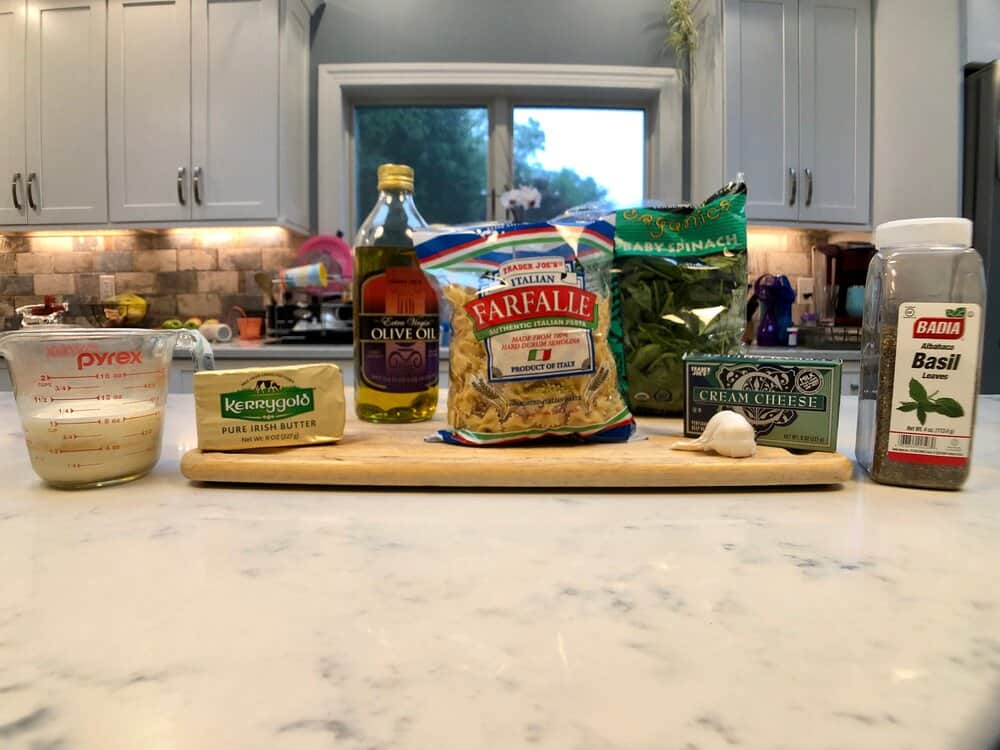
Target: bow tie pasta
<point>530,311</point>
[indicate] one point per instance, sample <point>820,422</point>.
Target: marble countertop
<point>165,615</point>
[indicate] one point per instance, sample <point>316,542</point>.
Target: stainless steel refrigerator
<point>981,199</point>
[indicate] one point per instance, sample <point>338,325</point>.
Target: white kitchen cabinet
<point>12,41</point>
<point>835,111</point>
<point>149,109</point>
<point>293,124</point>
<point>221,131</point>
<point>762,90</point>
<point>789,107</point>
<point>234,108</point>
<point>53,121</point>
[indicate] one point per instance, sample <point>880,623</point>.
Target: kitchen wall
<point>181,272</point>
<point>916,93</point>
<point>555,31</point>
<point>569,32</point>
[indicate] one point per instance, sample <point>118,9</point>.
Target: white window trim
<point>340,85</point>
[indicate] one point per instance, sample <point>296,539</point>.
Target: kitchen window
<point>472,131</point>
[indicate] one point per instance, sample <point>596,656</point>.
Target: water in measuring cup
<point>80,442</point>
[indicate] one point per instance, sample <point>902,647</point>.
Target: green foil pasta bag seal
<point>529,308</point>
<point>679,286</point>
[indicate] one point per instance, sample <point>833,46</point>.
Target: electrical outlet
<point>107,286</point>
<point>804,285</point>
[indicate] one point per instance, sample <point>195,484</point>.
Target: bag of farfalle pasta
<point>529,313</point>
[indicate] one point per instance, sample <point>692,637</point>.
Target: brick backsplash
<point>180,273</point>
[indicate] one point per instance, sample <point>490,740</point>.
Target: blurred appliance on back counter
<point>839,282</point>
<point>310,318</point>
<point>310,302</point>
<point>981,198</point>
<point>837,295</point>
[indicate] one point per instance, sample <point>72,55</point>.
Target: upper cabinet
<point>52,116</point>
<point>208,110</point>
<point>781,92</point>
<point>154,112</point>
<point>149,109</point>
<point>12,159</point>
<point>234,108</point>
<point>835,116</point>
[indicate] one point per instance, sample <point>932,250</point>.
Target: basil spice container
<point>921,352</point>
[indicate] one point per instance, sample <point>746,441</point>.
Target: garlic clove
<point>727,433</point>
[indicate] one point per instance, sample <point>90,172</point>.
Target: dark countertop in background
<point>262,349</point>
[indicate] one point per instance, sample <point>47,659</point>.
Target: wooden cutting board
<point>398,456</point>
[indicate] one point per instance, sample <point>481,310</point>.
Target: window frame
<point>342,87</point>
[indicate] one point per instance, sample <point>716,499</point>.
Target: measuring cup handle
<point>201,350</point>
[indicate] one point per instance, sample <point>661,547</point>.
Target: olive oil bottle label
<point>398,331</point>
<point>934,385</point>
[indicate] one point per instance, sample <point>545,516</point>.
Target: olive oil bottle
<point>396,320</point>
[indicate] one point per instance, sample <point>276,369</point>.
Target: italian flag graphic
<point>539,355</point>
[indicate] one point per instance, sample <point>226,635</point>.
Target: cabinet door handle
<point>795,185</point>
<point>181,171</point>
<point>196,179</point>
<point>809,187</point>
<point>13,192</point>
<point>31,195</point>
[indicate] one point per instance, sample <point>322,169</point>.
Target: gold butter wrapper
<point>269,407</point>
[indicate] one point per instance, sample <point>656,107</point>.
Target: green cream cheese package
<point>791,403</point>
<point>269,407</point>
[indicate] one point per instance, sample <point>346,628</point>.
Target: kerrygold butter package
<point>269,407</point>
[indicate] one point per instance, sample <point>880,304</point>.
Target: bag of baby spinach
<point>679,286</point>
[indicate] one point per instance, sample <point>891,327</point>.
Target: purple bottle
<point>776,296</point>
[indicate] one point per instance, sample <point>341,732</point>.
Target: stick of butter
<point>269,407</point>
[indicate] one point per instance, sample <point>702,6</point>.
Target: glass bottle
<point>396,320</point>
<point>921,351</point>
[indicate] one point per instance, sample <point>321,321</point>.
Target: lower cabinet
<point>850,378</point>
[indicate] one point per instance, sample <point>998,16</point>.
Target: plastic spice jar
<point>921,346</point>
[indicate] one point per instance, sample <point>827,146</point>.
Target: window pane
<point>446,146</point>
<point>577,155</point>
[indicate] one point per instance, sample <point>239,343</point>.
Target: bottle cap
<point>920,232</point>
<point>395,177</point>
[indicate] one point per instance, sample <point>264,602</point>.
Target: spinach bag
<point>679,286</point>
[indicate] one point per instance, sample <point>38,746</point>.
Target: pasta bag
<point>530,308</point>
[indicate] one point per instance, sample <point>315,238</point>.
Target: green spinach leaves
<point>679,286</point>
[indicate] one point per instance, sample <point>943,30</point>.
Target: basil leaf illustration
<point>917,392</point>
<point>949,407</point>
<point>921,414</point>
<point>907,406</point>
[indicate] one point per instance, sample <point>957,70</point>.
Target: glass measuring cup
<point>91,401</point>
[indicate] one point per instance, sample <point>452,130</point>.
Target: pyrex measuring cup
<point>91,401</point>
